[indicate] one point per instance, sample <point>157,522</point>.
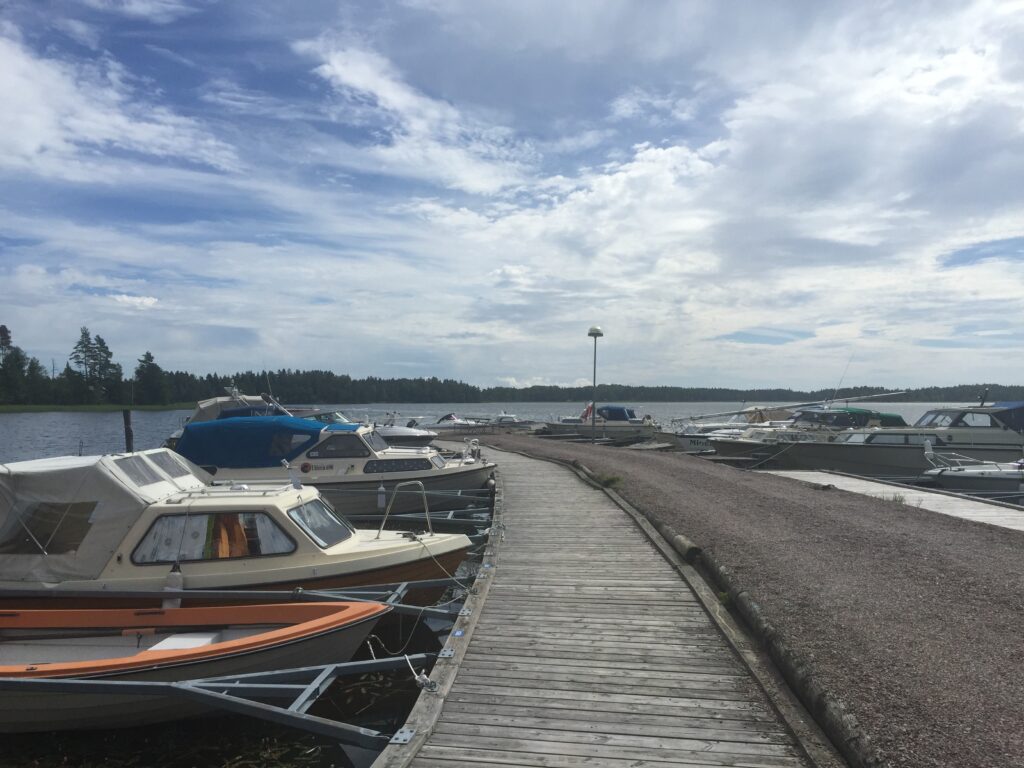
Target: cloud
<point>155,11</point>
<point>417,136</point>
<point>138,302</point>
<point>57,116</point>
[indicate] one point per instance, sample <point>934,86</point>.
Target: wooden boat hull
<point>302,645</point>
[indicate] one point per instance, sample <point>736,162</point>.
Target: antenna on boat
<point>292,475</point>
<point>835,392</point>
<point>984,397</point>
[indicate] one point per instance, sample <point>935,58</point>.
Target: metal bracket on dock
<point>446,653</point>
<point>466,612</point>
<point>403,736</point>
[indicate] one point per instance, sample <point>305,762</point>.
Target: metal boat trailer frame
<point>245,694</point>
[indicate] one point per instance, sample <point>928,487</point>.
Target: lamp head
<point>595,331</point>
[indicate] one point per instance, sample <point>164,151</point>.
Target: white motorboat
<point>352,465</point>
<point>691,433</point>
<point>955,472</point>
<point>149,520</point>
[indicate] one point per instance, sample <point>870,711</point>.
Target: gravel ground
<point>913,619</point>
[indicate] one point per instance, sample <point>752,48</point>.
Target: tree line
<point>91,377</point>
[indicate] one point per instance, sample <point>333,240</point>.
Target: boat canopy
<point>615,412</point>
<point>63,518</point>
<point>256,441</point>
<point>847,417</point>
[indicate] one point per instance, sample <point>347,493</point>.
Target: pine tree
<point>5,341</point>
<point>151,386</point>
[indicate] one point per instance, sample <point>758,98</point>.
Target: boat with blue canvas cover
<point>618,423</point>
<point>352,466</point>
<point>235,404</point>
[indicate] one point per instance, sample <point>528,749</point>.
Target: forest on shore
<point>90,377</point>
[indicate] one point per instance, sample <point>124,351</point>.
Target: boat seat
<point>185,640</point>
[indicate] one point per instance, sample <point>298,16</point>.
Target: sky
<point>741,194</point>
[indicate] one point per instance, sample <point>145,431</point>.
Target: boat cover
<point>616,413</point>
<point>215,407</point>
<point>1013,416</point>
<point>63,518</point>
<point>252,442</point>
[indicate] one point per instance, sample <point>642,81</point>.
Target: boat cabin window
<point>881,438</point>
<point>347,446</point>
<point>169,464</point>
<point>213,536</point>
<point>321,523</point>
<point>395,465</point>
<point>936,419</point>
<point>852,437</point>
<point>47,527</point>
<point>438,461</point>
<point>921,439</point>
<point>138,470</point>
<point>971,419</point>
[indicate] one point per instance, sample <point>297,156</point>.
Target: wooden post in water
<point>129,437</point>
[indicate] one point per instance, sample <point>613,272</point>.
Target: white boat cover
<point>63,518</point>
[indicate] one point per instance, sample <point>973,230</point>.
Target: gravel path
<point>913,619</point>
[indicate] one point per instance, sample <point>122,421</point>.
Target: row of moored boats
<point>178,563</point>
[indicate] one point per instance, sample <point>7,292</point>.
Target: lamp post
<point>596,332</point>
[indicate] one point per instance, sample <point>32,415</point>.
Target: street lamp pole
<point>596,332</point>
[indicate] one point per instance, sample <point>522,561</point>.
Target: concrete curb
<point>840,726</point>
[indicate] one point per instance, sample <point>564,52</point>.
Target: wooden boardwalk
<point>589,650</point>
<point>952,504</point>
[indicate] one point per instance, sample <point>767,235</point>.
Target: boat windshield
<point>321,523</point>
<point>375,441</point>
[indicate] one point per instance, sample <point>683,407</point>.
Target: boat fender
<point>381,496</point>
<point>175,582</point>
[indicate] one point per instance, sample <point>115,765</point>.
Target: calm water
<point>60,433</point>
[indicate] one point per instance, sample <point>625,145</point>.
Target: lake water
<point>61,433</point>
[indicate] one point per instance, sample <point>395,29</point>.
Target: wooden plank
<point>592,651</point>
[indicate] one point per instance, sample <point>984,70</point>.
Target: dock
<point>943,502</point>
<point>586,646</point>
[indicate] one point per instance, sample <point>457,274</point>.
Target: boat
<point>235,404</point>
<point>985,433</point>
<point>395,435</point>
<point>814,424</point>
<point>955,472</point>
<point>150,520</point>
<point>351,465</point>
<point>453,423</point>
<point>691,434</point>
<point>161,645</point>
<point>617,423</point>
